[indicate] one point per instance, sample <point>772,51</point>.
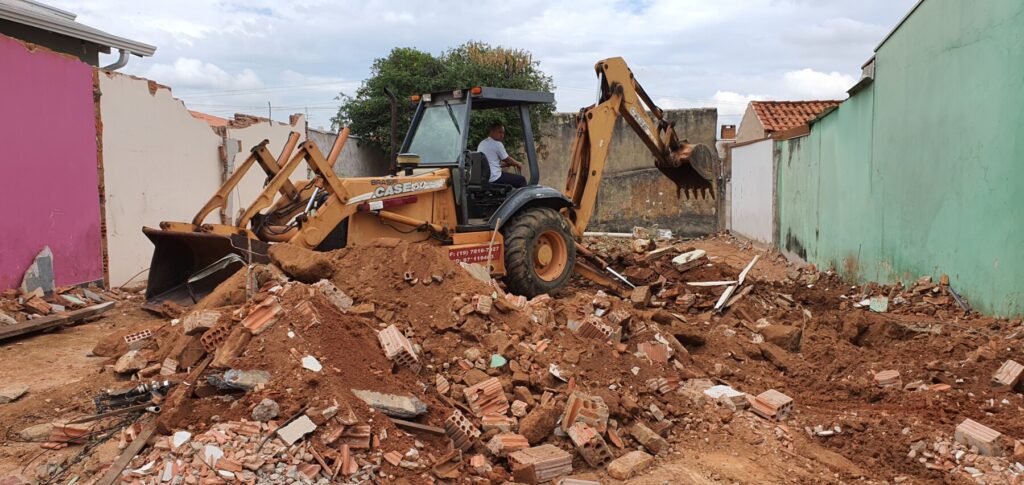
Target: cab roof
<point>489,97</point>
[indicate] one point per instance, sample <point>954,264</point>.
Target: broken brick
<point>772,404</point>
<point>215,336</point>
<point>398,348</point>
<point>498,422</point>
<point>888,378</point>
<point>590,445</point>
<point>630,464</point>
<point>1008,375</point>
<point>641,296</point>
<point>657,352</point>
<point>648,438</point>
<point>169,367</point>
<point>198,322</point>
<point>263,316</point>
<point>487,397</point>
<point>974,434</point>
<point>138,340</point>
<point>338,298</point>
<point>460,430</point>
<point>232,347</point>
<point>504,443</point>
<point>586,409</point>
<point>540,464</point>
<point>483,304</point>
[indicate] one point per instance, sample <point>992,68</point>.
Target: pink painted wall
<point>48,179</point>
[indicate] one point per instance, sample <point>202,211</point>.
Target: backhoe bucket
<point>692,170</point>
<point>188,265</point>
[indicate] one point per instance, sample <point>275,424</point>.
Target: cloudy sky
<point>227,56</point>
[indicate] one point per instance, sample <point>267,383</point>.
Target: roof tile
<point>783,115</point>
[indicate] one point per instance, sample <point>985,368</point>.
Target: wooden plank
<point>114,472</point>
<point>53,321</point>
<point>401,423</point>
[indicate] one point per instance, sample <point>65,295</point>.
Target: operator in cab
<point>493,148</point>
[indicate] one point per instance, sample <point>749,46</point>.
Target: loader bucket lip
<point>179,255</point>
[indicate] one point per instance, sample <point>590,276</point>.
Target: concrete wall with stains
<point>49,182</point>
<point>919,173</point>
<point>357,159</point>
<point>633,192</point>
<point>160,163</point>
<point>752,191</point>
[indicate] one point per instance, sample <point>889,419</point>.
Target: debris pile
<point>389,362</point>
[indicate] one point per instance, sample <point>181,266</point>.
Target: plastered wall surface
<point>160,163</point>
<point>49,182</point>
<point>753,191</point>
<point>252,184</point>
<point>919,173</point>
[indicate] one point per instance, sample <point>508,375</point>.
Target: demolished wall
<point>249,131</point>
<point>633,192</point>
<point>49,183</point>
<point>160,163</point>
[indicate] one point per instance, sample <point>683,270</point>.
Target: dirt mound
<point>610,372</point>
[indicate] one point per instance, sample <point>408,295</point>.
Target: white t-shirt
<point>495,152</point>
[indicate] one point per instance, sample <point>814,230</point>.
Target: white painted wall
<point>252,184</point>
<point>159,163</point>
<point>752,205</point>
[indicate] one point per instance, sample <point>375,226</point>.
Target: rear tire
<point>540,253</point>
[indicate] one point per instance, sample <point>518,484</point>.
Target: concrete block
<point>1008,375</point>
<point>334,295</point>
<point>985,439</point>
<point>649,439</point>
<point>394,405</point>
<point>295,430</point>
<point>630,464</point>
<point>198,322</point>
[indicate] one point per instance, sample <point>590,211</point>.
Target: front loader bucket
<point>188,265</point>
<point>692,171</point>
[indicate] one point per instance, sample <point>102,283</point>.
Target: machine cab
<point>439,137</point>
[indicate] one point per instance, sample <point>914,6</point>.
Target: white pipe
<point>607,234</point>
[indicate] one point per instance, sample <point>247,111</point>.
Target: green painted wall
<point>921,173</point>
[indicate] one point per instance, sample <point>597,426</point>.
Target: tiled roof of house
<point>783,115</point>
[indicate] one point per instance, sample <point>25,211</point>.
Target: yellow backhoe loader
<point>527,236</point>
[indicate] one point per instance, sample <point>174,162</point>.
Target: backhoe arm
<point>689,166</point>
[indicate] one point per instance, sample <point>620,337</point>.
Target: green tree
<point>408,71</point>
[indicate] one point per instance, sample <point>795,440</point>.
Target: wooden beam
<point>114,472</point>
<point>53,321</point>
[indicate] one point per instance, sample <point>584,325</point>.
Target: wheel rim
<point>550,255</point>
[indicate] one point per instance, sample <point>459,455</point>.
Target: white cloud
<point>684,52</point>
<point>810,84</point>
<point>731,104</point>
<point>193,73</point>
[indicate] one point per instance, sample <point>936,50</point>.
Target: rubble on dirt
<point>389,362</point>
